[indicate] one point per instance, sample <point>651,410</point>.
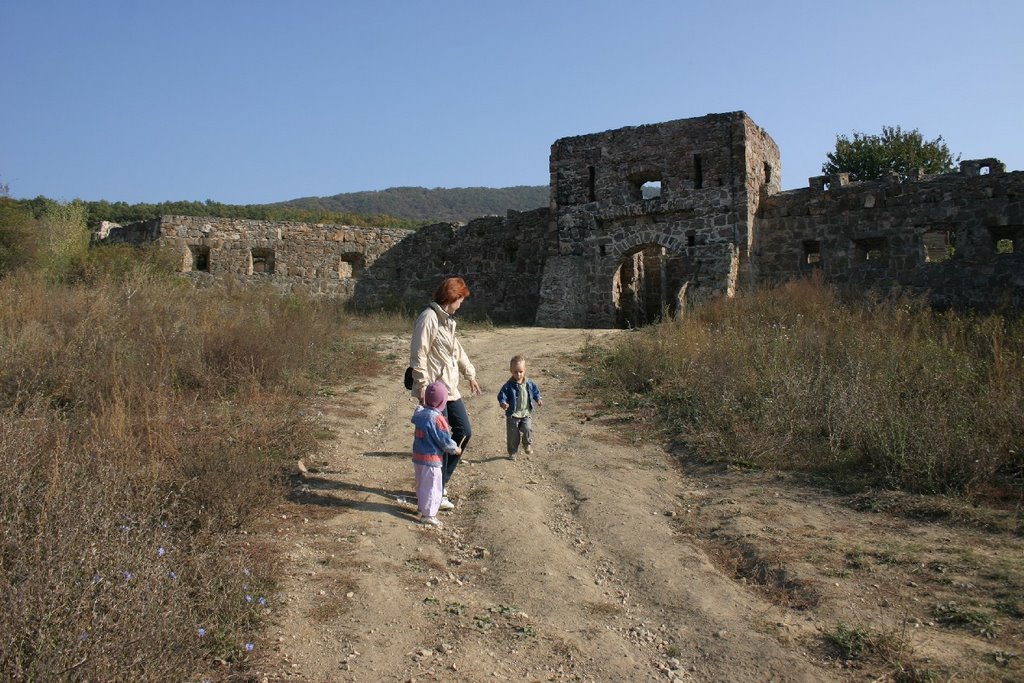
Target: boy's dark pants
<point>516,427</point>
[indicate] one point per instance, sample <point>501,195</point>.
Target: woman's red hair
<point>450,289</point>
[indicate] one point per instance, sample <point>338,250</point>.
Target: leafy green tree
<point>63,238</point>
<point>871,157</point>
<point>19,242</point>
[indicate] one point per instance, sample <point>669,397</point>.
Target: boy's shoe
<point>511,456</point>
<point>446,504</point>
<point>528,449</point>
<point>431,521</point>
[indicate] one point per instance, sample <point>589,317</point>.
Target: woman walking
<point>436,355</point>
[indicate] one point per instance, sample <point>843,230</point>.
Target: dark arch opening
<point>649,284</point>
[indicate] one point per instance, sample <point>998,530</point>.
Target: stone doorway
<point>650,283</point>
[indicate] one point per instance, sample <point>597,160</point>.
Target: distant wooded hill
<point>429,205</point>
<point>397,207</point>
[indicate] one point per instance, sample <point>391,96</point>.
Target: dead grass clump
<point>769,576</point>
<point>889,393</point>
<point>948,510</point>
<point>327,611</point>
<point>863,645</point>
<point>603,610</point>
<point>139,421</point>
<point>426,563</point>
<point>954,614</point>
<point>478,494</point>
<point>103,583</point>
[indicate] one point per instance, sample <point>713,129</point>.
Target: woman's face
<point>454,305</point>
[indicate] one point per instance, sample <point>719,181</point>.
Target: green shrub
<point>18,237</point>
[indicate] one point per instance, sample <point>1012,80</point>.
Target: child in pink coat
<point>433,439</point>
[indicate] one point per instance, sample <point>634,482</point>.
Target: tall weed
<point>888,393</point>
<point>141,420</point>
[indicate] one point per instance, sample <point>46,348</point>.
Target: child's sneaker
<point>446,504</point>
<point>431,521</point>
<point>529,450</point>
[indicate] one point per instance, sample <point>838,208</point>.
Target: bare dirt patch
<point>602,557</point>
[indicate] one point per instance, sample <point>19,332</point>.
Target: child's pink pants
<point>428,489</point>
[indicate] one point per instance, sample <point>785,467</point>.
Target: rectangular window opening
<point>200,257</point>
<point>871,250</point>
<point>350,265</point>
<point>698,172</point>
<point>1007,239</point>
<point>511,250</point>
<point>592,184</point>
<point>812,254</point>
<point>937,246</point>
<point>651,189</point>
<point>644,185</point>
<point>262,261</point>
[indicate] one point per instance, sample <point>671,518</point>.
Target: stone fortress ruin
<point>642,221</point>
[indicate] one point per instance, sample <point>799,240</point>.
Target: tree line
<point>405,208</point>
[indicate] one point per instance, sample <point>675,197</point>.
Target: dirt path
<point>597,558</point>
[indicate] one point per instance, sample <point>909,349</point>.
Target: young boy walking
<point>432,440</point>
<point>517,398</point>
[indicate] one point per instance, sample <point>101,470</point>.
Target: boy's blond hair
<point>516,360</point>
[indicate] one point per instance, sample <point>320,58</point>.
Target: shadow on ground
<point>330,493</point>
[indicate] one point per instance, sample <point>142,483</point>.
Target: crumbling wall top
<point>975,167</point>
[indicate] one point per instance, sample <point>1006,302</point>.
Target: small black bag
<point>408,377</point>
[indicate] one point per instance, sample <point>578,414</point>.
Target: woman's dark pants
<point>458,420</point>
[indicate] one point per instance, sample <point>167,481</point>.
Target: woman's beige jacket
<point>436,354</point>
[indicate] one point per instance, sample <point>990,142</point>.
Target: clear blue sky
<point>251,101</point>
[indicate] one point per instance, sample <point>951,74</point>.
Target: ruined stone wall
<point>138,233</point>
<point>938,235</point>
<point>707,168</point>
<point>500,258</point>
<point>291,256</point>
<point>604,255</point>
<point>763,178</point>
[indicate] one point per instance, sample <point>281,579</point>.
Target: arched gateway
<point>650,283</point>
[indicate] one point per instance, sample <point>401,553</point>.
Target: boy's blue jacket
<point>509,391</point>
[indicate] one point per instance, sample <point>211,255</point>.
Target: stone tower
<point>645,218</point>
